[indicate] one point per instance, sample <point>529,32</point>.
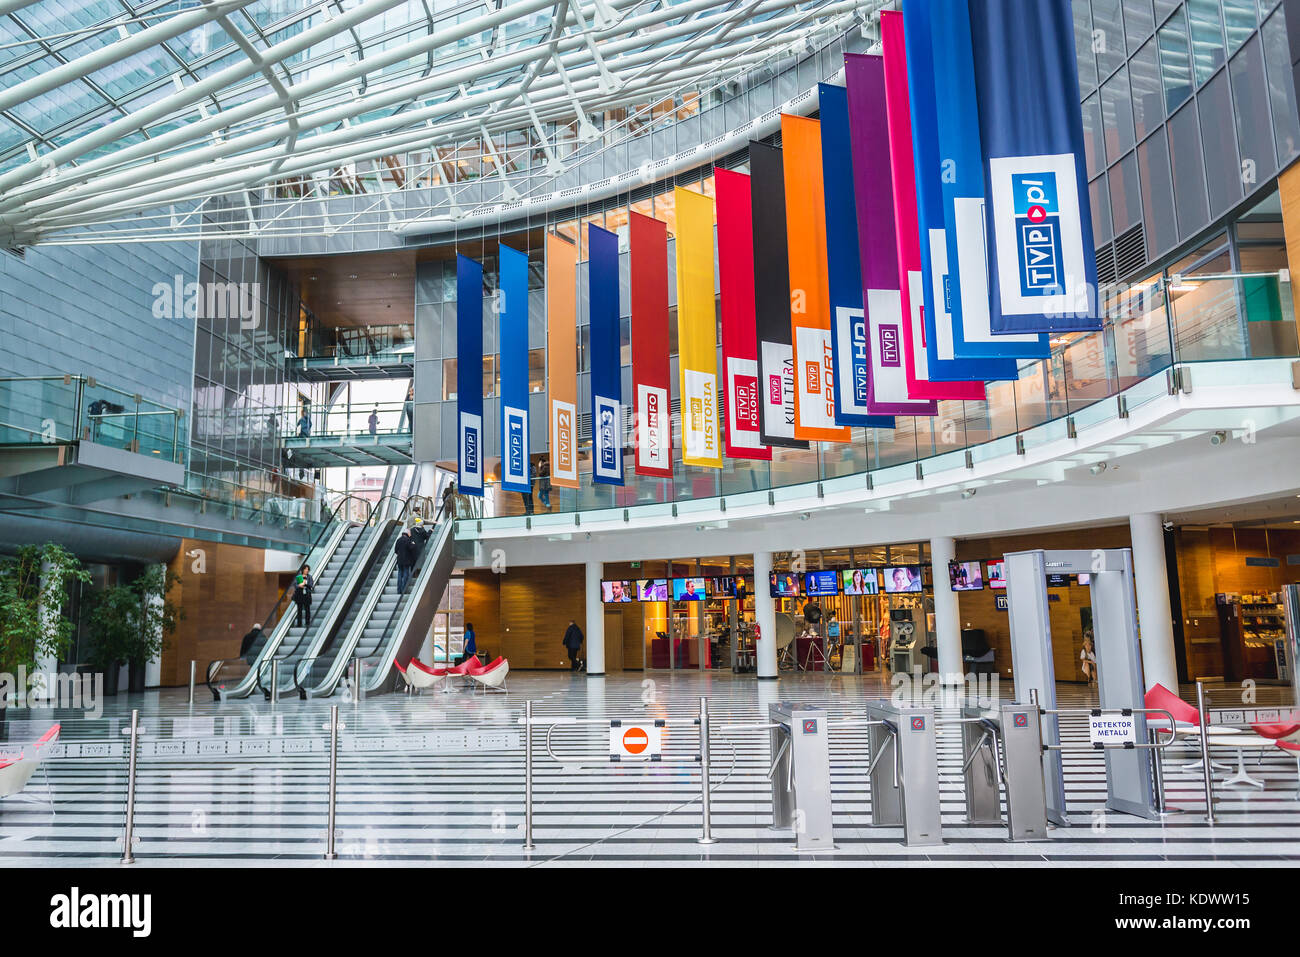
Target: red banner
<point>739,332</point>
<point>648,248</point>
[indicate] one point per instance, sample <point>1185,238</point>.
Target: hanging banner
<point>877,242</point>
<point>606,364</point>
<point>743,434</point>
<point>1044,268</point>
<point>772,297</point>
<point>651,370</point>
<point>938,290</point>
<point>810,317</point>
<point>469,375</point>
<point>844,266</point>
<point>513,343</point>
<point>562,358</point>
<point>898,112</point>
<point>962,185</point>
<point>697,330</point>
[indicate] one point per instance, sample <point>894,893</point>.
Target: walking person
<point>469,647</point>
<point>449,499</point>
<point>408,411</point>
<point>406,550</point>
<point>372,423</point>
<point>544,483</point>
<point>527,497</point>
<point>303,586</point>
<point>304,424</point>
<point>572,642</point>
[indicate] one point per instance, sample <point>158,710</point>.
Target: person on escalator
<point>246,645</point>
<point>303,586</point>
<point>406,550</point>
<point>420,532</point>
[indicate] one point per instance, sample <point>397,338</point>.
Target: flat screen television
<point>652,589</point>
<point>688,589</point>
<point>965,576</point>
<point>617,591</point>
<point>821,583</point>
<point>996,577</point>
<point>902,578</point>
<point>783,585</point>
<point>728,586</point>
<point>859,581</point>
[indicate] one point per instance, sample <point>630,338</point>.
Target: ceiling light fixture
<point>1098,468</point>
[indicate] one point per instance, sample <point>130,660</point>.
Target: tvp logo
<point>1038,233</point>
<point>516,446</point>
<point>891,355</point>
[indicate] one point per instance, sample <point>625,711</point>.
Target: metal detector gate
<point>1004,749</point>
<point>1119,670</point>
<point>904,788</point>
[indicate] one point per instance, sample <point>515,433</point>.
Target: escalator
<point>232,678</point>
<point>388,626</point>
<point>337,589</point>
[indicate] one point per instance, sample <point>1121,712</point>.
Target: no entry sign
<point>634,741</point>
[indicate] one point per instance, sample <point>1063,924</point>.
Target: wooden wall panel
<point>1288,184</point>
<point>220,605</point>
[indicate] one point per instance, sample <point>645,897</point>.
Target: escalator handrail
<point>403,609</point>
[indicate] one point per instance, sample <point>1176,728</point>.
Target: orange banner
<point>562,358</point>
<point>810,313</point>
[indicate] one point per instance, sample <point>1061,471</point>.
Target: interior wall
<point>522,614</point>
<point>221,594</point>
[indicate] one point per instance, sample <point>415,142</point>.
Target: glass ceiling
<point>110,107</point>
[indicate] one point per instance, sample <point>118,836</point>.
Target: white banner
<point>563,425</point>
<point>607,430</point>
<point>815,388</point>
<point>700,436</point>
<point>654,428</point>
<point>471,452</point>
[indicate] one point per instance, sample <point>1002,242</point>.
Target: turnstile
<point>801,774</point>
<point>1003,748</point>
<point>904,771</point>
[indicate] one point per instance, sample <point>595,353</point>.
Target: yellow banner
<point>697,331</point>
<point>562,358</point>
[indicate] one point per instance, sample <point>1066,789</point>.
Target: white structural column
<point>595,621</point>
<point>764,615</point>
<point>947,617</point>
<point>45,664</point>
<point>153,667</point>
<point>1151,585</point>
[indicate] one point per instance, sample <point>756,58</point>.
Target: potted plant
<point>129,625</point>
<point>34,585</point>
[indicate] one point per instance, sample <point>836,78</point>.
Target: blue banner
<point>469,374</point>
<point>844,267</point>
<point>513,343</point>
<point>941,296</point>
<point>1043,268</point>
<point>962,181</point>
<point>606,357</point>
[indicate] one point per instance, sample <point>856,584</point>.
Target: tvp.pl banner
<point>739,333</point>
<point>1044,275</point>
<point>648,255</point>
<point>877,240</point>
<point>772,297</point>
<point>810,317</point>
<point>940,298</point>
<point>899,114</point>
<point>606,368</point>
<point>469,374</point>
<point>844,266</point>
<point>562,358</point>
<point>697,335</point>
<point>513,343</point>
<point>962,183</point>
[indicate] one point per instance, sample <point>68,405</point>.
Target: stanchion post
<point>192,664</point>
<point>334,775</point>
<point>528,776</point>
<point>129,837</point>
<point>707,836</point>
<point>1206,771</point>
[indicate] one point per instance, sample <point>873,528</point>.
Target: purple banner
<point>878,242</point>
